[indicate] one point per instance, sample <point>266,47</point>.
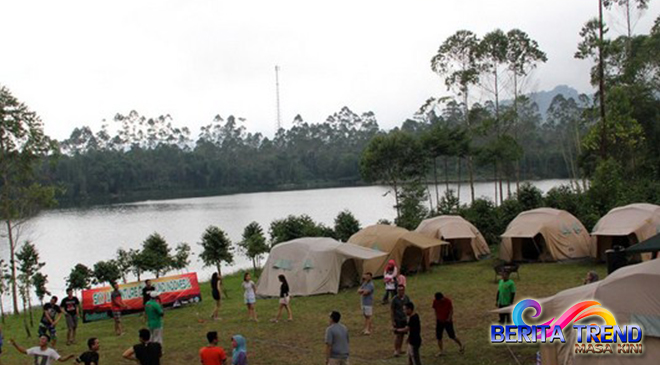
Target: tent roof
<point>628,219</point>
<point>324,244</point>
<point>650,245</point>
<point>530,223</point>
<point>384,237</point>
<point>451,226</point>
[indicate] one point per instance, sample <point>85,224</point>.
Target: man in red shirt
<point>117,304</point>
<point>444,311</point>
<point>212,354</point>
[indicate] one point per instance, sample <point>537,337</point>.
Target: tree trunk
<point>396,200</point>
<point>446,174</point>
<point>517,176</point>
<point>458,188</point>
<point>495,181</point>
<point>471,173</point>
<point>435,181</point>
<point>29,300</point>
<point>500,182</point>
<point>601,84</point>
<point>12,260</point>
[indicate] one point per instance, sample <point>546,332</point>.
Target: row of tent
<point>323,265</point>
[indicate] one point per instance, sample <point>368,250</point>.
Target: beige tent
<point>631,293</point>
<point>625,226</point>
<point>313,266</point>
<point>409,250</point>
<point>465,241</point>
<point>545,234</point>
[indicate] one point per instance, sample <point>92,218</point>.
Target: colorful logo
<point>590,338</point>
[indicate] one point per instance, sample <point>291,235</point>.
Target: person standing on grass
<point>216,290</point>
<point>250,296</point>
<point>212,354</point>
<point>444,313</point>
<point>71,306</point>
<point>42,354</point>
<point>366,292</point>
<point>506,293</point>
<point>336,341</point>
<point>145,352</point>
<point>399,319</point>
<point>390,279</point>
<point>148,288</point>
<point>48,324</point>
<point>154,312</point>
<point>239,352</point>
<point>90,357</point>
<point>414,330</point>
<point>285,299</point>
<point>116,305</point>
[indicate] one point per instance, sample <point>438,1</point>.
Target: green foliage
<point>181,258</point>
<point>483,215</point>
<point>254,243</point>
<point>385,222</point>
<point>449,203</point>
<point>346,225</point>
<point>80,277</point>
<point>155,255</point>
<point>106,272</point>
<point>124,264</point>
<point>216,248</point>
<point>607,186</point>
<point>293,227</point>
<point>411,205</point>
<point>39,281</point>
<point>529,197</point>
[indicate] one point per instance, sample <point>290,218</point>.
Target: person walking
<point>414,330</point>
<point>42,354</point>
<point>212,354</point>
<point>444,313</point>
<point>90,357</point>
<point>250,296</point>
<point>336,341</point>
<point>239,352</point>
<point>116,305</point>
<point>154,312</point>
<point>366,292</point>
<point>390,280</point>
<point>145,352</point>
<point>71,306</point>
<point>216,293</point>
<point>49,319</point>
<point>285,299</point>
<point>506,293</point>
<point>399,318</point>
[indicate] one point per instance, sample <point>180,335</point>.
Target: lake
<point>67,237</point>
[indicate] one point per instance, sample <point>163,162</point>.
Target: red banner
<point>174,291</point>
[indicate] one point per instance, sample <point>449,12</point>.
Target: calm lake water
<point>67,237</point>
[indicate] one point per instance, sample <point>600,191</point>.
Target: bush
<point>293,227</point>
<point>529,197</point>
<point>482,214</point>
<point>346,225</point>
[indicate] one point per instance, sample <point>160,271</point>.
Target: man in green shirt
<point>506,292</point>
<point>154,312</point>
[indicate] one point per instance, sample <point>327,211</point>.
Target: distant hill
<point>544,98</point>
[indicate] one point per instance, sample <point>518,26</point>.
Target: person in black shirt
<point>48,324</point>
<point>414,331</point>
<point>90,357</point>
<point>216,290</point>
<point>145,352</point>
<point>285,299</point>
<point>71,306</point>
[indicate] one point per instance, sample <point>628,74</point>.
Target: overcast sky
<point>78,62</point>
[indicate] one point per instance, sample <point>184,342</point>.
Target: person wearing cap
<point>154,311</point>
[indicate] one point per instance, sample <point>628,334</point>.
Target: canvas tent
<point>545,234</point>
<point>465,241</point>
<point>409,250</point>
<point>614,293</point>
<point>625,226</point>
<point>313,266</point>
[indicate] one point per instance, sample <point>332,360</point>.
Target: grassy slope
<point>470,285</point>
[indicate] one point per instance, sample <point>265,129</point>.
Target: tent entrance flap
<point>350,275</point>
<point>414,260</point>
<point>604,243</point>
<point>459,249</point>
<point>530,249</point>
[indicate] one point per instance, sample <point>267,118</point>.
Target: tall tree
<point>80,277</point>
<point>254,243</point>
<point>5,277</point>
<point>22,145</point>
<point>216,248</point>
<point>181,258</point>
<point>456,61</point>
<point>346,225</point>
<point>29,265</point>
<point>156,255</point>
<point>106,272</point>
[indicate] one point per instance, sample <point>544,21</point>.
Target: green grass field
<point>470,285</point>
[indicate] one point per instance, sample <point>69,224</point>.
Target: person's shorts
<point>400,323</point>
<point>216,295</point>
<point>49,330</point>
<point>440,327</point>
<point>116,315</point>
<point>286,300</point>
<point>250,299</point>
<point>71,321</point>
<point>367,310</point>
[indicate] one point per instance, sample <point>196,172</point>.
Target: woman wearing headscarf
<point>390,279</point>
<point>239,353</point>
